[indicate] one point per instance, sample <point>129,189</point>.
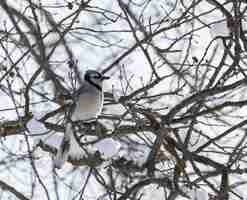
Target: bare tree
<point>176,102</point>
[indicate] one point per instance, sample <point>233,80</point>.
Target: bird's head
<point>95,78</point>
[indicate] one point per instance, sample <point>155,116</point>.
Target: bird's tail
<point>63,151</point>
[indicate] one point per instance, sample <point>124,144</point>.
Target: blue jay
<point>87,105</point>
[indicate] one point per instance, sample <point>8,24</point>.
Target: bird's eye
<point>95,76</point>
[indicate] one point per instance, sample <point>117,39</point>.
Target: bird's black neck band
<point>98,87</point>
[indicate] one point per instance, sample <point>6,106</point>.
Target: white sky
<point>136,65</point>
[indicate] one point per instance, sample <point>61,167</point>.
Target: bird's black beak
<point>105,77</point>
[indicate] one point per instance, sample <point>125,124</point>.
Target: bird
<point>86,104</point>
